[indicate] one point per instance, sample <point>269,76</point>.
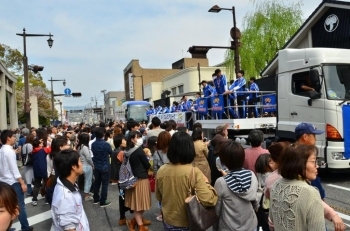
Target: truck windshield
<point>334,88</point>
<point>137,112</point>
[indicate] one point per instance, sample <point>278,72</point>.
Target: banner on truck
<point>202,106</point>
<point>217,103</point>
<point>269,103</point>
<point>178,117</point>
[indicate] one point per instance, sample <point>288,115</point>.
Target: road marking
<point>339,187</point>
<point>34,219</point>
<point>29,199</point>
<point>343,216</point>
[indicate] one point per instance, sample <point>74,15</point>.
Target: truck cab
<point>326,72</point>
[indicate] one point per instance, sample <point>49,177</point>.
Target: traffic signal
<point>37,68</point>
<point>76,94</point>
<point>27,108</point>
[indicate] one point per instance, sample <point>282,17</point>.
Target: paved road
<point>337,188</point>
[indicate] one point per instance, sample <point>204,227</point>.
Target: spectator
<point>160,156</point>
<point>109,138</point>
<point>256,137</point>
<point>222,130</point>
<point>88,165</point>
<point>156,127</point>
<point>39,168</point>
<point>10,174</point>
<point>293,195</point>
<point>236,190</point>
<point>67,209</point>
<point>139,197</point>
<point>101,151</point>
<point>173,125</point>
<point>201,149</point>
<point>214,147</point>
<point>173,183</point>
<point>8,206</point>
<point>27,147</point>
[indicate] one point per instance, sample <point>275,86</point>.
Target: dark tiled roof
<point>304,24</point>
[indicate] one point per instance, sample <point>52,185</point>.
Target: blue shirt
<point>220,84</point>
<point>165,110</point>
<point>238,85</point>
<point>173,109</point>
<point>208,91</point>
<point>158,110</point>
<point>253,87</point>
<point>186,106</point>
<point>102,151</point>
<point>150,111</point>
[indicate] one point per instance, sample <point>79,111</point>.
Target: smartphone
<point>220,166</point>
<point>205,139</point>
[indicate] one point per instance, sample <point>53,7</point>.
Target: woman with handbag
<point>237,191</point>
<point>177,180</point>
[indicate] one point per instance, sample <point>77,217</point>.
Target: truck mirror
<point>315,80</point>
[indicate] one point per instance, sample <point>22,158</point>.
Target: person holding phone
<point>201,148</point>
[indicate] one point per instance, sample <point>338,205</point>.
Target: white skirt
<point>28,174</point>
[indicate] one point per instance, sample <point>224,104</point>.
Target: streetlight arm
<point>34,35</point>
<point>54,80</point>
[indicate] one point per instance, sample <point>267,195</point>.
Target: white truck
<point>327,71</point>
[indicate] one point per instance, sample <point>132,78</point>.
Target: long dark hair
<point>56,145</point>
<point>84,139</point>
<point>132,135</point>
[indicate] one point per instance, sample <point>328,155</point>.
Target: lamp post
<point>235,34</point>
<point>52,96</point>
<point>104,117</point>
<point>135,76</point>
<point>25,67</point>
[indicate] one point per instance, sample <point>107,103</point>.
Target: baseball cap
<point>307,128</point>
<point>219,129</point>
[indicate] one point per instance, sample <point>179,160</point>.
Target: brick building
<point>153,75</point>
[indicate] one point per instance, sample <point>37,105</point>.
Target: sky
<point>94,40</point>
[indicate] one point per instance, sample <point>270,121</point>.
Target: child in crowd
<point>263,167</point>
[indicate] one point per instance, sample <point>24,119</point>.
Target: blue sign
<point>269,103</point>
<point>217,103</point>
<point>202,106</point>
<point>67,91</point>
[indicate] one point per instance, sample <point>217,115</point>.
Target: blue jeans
<point>101,178</point>
<point>87,178</point>
<point>22,217</point>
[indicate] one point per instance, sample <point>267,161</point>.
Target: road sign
<point>67,91</point>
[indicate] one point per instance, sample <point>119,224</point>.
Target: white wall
<point>153,90</point>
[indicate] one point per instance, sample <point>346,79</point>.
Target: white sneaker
<point>35,203</point>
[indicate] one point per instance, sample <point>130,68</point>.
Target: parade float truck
<point>284,104</point>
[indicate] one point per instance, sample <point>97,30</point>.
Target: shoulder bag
<point>200,218</point>
<point>27,159</point>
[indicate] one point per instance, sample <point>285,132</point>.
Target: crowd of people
<point>233,95</point>
<point>250,187</point>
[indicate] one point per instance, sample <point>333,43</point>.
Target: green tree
<point>265,31</point>
<point>13,60</point>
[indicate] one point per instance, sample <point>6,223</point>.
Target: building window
<point>173,91</point>
<point>181,89</point>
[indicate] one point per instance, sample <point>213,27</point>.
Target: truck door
<point>299,109</point>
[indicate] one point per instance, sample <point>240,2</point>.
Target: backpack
<point>127,179</point>
<point>27,158</point>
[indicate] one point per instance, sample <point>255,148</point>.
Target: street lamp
<point>53,95</point>
<point>235,34</point>
<point>25,67</point>
<point>104,103</point>
<point>135,76</point>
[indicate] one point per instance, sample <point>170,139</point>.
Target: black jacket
<point>138,162</point>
